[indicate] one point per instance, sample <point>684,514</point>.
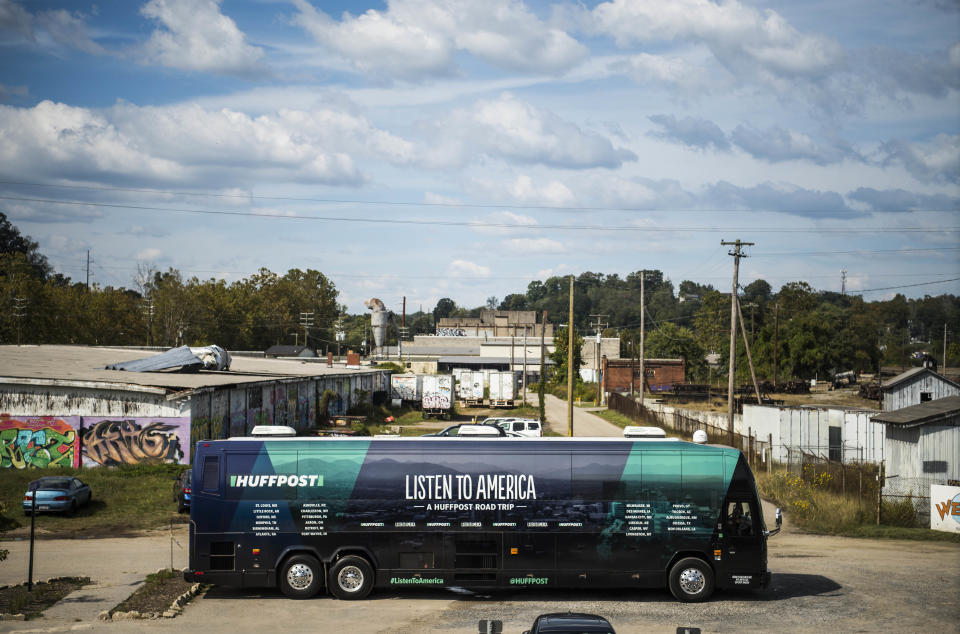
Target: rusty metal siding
<point>909,393</point>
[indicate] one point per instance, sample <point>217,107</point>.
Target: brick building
<point>662,374</point>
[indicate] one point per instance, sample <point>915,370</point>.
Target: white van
<point>523,426</point>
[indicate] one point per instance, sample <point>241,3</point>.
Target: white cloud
<point>936,161</point>
<point>553,193</point>
<point>187,143</point>
<point>416,38</point>
<point>741,37</point>
<point>523,246</point>
<point>518,132</point>
<point>503,218</point>
<point>463,268</point>
<point>149,254</point>
<point>195,35</point>
<point>16,19</point>
<point>68,29</point>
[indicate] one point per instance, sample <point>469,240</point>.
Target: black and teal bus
<point>349,515</point>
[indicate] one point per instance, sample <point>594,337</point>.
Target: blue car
<point>182,488</point>
<point>64,494</point>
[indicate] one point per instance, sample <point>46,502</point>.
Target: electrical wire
<point>485,225</point>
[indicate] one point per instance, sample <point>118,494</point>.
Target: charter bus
<point>349,515</point>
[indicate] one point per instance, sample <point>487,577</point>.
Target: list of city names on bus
<point>265,519</point>
<point>682,518</point>
<point>314,517</point>
<point>638,518</point>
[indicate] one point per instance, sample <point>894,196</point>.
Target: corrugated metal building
<point>915,386</point>
<point>59,406</point>
<point>922,448</point>
<point>838,434</point>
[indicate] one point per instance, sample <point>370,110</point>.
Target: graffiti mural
<point>109,441</point>
<point>451,332</point>
<point>45,441</point>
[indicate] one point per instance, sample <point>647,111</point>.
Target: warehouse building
<point>60,406</point>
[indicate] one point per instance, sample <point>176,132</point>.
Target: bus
<point>352,514</point>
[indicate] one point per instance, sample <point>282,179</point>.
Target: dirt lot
<point>820,584</point>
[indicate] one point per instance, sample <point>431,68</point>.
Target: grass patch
<point>156,594</point>
<point>814,508</point>
<point>19,600</point>
<point>125,500</point>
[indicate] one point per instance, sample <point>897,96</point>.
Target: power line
<point>890,288</point>
<point>458,204</point>
<point>483,225</point>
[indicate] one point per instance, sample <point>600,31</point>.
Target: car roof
<point>573,622</point>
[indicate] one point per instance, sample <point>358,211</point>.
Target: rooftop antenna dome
<point>700,437</point>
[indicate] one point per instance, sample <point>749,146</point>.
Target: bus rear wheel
<point>301,577</point>
<point>691,580</point>
<point>351,577</point>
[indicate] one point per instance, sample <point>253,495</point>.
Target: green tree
<point>671,341</point>
<point>559,356</point>
<point>444,309</point>
<point>12,241</point>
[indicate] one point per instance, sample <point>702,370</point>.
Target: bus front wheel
<point>691,580</point>
<point>301,577</point>
<point>351,577</point>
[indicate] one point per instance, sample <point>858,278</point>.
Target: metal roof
<point>922,414</point>
<point>84,365</point>
<point>914,372</point>
<point>517,360</point>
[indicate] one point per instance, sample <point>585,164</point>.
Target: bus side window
<point>210,481</point>
<point>739,521</point>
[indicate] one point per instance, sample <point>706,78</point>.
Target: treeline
<point>809,333</point>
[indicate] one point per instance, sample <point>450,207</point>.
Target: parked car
<point>522,426</point>
<point>182,489</point>
<point>569,622</point>
<point>469,430</point>
<point>63,494</point>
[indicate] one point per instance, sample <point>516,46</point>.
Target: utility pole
<point>643,321</point>
<point>524,364</point>
<point>511,355</point>
<point>776,332</point>
<point>599,326</point>
<point>543,368</point>
<point>843,282</point>
<point>19,313</point>
<point>306,320</point>
<point>570,365</point>
<point>733,329</point>
<point>148,311</point>
<point>88,270</point>
<point>944,370</point>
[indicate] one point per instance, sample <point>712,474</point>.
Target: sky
<point>463,148</point>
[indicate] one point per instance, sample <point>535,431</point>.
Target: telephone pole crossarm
<point>737,254</point>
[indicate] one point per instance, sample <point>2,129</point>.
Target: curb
<point>4,616</point>
<point>175,608</point>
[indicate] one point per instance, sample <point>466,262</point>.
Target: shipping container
<point>437,393</point>
<point>471,387</point>
<point>503,389</point>
<point>406,387</point>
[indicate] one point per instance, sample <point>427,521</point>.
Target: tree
<point>559,356</point>
<point>670,341</point>
<point>444,309</point>
<point>11,241</point>
<point>492,302</point>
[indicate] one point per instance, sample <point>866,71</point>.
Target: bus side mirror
<point>779,525</point>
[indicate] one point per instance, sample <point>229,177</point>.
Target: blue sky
<point>463,148</point>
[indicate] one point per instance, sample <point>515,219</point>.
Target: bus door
<point>742,542</point>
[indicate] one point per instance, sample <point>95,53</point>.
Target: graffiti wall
<point>112,441</point>
<point>45,441</point>
<point>451,332</point>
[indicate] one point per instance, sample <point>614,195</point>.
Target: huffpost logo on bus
<point>274,480</point>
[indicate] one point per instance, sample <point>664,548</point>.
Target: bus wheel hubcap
<point>692,581</point>
<point>299,576</point>
<point>350,578</point>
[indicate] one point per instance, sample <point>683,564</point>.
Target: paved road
<point>820,584</point>
<point>584,423</point>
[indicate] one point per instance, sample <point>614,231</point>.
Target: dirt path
<point>585,424</point>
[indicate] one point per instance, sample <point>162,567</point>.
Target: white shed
<point>922,448</point>
<point>915,386</point>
